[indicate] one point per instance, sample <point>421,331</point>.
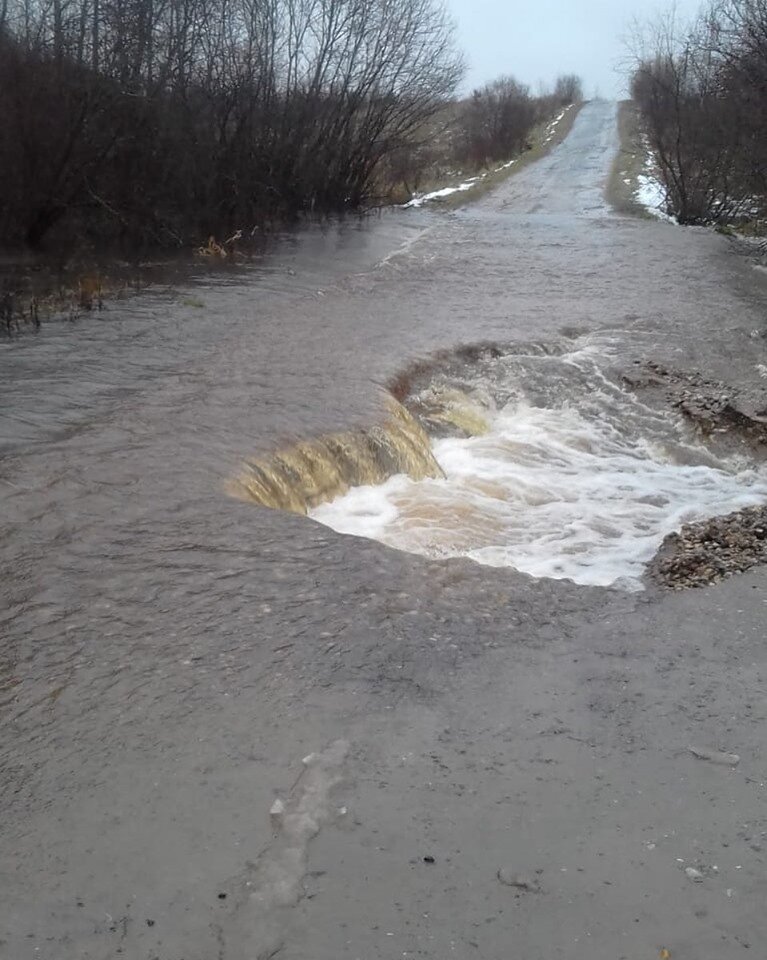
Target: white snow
<point>553,125</point>
<point>650,192</point>
<point>419,199</point>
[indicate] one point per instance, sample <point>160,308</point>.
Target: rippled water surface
<point>123,552</point>
<point>121,548</point>
<point>157,631</point>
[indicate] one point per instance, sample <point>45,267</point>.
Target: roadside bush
<point>568,89</point>
<point>163,121</point>
<point>702,95</point>
<point>496,122</point>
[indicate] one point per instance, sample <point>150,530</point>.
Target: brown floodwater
<point>126,564</point>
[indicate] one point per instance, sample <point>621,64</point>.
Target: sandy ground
<point>280,742</point>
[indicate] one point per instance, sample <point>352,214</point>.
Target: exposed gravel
<point>729,420</point>
<point>722,412</point>
<point>712,550</point>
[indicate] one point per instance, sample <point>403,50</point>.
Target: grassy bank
<point>543,139</point>
<point>629,164</point>
<point>34,289</point>
<point>625,182</point>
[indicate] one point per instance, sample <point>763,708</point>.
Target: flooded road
<point>177,662</point>
<point>541,462</point>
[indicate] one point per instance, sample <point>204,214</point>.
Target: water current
<point>169,651</point>
<point>553,469</point>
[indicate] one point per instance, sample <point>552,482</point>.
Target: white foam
<point>554,492</point>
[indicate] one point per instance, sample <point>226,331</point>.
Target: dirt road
<point>232,734</point>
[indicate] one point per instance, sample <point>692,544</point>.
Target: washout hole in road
<point>534,457</point>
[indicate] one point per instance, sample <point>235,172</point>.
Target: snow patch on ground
<point>650,192</point>
<point>419,199</point>
<point>550,130</point>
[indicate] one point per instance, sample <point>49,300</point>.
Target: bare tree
<point>498,120</point>
<point>738,35</point>
<point>568,89</point>
<point>701,92</point>
<point>164,120</point>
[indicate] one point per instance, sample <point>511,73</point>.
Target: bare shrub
<point>568,89</point>
<point>738,32</point>
<point>159,121</point>
<point>702,95</point>
<point>496,122</point>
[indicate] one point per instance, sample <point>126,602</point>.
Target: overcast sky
<point>536,39</point>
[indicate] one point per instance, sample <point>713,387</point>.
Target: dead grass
<point>623,181</point>
<point>34,292</point>
<point>492,176</point>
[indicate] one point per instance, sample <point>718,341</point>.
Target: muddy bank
<point>712,550</point>
<point>728,416</point>
<point>629,163</point>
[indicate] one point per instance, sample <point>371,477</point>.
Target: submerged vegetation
<point>702,95</point>
<point>158,123</point>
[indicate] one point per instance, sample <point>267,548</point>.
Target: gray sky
<point>537,39</point>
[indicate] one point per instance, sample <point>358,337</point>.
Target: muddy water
<point>169,651</point>
<point>550,467</point>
